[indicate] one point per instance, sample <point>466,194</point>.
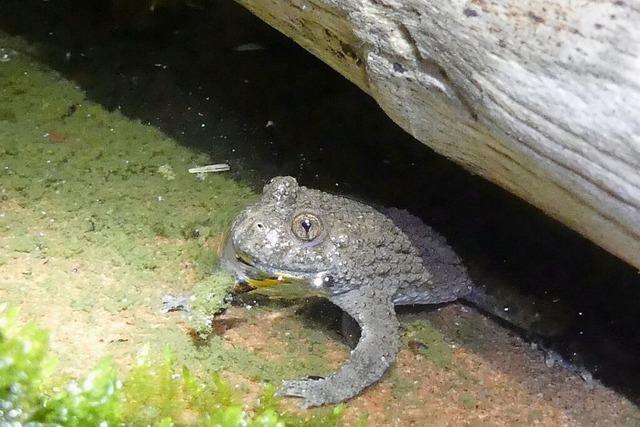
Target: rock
<point>541,97</point>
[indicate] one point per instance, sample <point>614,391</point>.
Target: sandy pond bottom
<point>99,219</point>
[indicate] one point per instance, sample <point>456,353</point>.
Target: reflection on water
<point>219,81</point>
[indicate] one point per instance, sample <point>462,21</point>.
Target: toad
<point>361,259</point>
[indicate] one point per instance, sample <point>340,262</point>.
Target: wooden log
<point>540,97</point>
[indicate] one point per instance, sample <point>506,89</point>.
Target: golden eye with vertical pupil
<point>306,226</point>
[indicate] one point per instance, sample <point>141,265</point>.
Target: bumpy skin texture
<point>358,258</point>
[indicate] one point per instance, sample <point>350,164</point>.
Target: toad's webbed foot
<point>374,353</point>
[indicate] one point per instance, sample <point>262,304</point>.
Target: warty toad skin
<point>362,260</point>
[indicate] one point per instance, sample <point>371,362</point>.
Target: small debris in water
<point>220,167</point>
<point>249,47</point>
<point>7,54</point>
<point>270,124</point>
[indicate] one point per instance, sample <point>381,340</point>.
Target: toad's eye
<point>306,226</point>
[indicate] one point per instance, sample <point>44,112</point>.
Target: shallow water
<point>96,229</point>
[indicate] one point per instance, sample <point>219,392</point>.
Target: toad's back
<point>449,277</point>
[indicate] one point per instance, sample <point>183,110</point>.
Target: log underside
<point>540,97</point>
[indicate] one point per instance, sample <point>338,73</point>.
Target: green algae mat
<point>99,219</point>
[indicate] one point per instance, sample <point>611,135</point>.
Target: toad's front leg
<point>372,356</point>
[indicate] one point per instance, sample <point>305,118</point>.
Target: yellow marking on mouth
<point>286,289</point>
<point>266,283</point>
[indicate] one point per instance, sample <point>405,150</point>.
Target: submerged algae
<point>105,181</point>
<point>99,190</point>
<point>427,341</point>
<point>271,362</point>
<point>209,297</point>
<point>100,218</point>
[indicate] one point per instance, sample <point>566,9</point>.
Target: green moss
<point>99,177</point>
<point>208,299</point>
<point>26,244</point>
<point>424,339</point>
<point>303,351</point>
<point>98,214</point>
<point>402,387</point>
<point>216,355</point>
<point>468,401</point>
<point>27,394</point>
<point>429,342</point>
<point>535,416</point>
<point>91,401</point>
<point>22,366</point>
<point>159,394</point>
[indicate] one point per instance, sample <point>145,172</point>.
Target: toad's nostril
<point>259,225</point>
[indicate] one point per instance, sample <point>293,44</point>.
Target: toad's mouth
<point>253,275</point>
<point>260,276</point>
